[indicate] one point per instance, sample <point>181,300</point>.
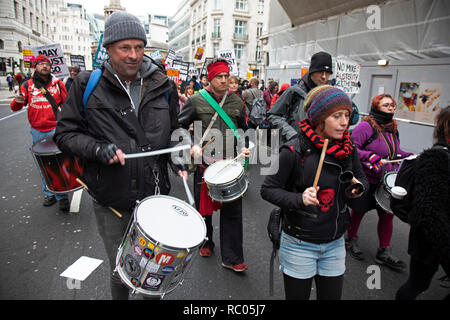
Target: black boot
<point>49,200</point>
<point>384,256</point>
<point>353,248</point>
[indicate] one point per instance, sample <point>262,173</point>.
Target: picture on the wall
<point>419,101</point>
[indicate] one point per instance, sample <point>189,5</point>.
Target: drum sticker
<point>132,266</point>
<point>164,258</point>
<point>138,250</point>
<point>149,253</point>
<point>135,282</point>
<point>153,281</point>
<point>121,261</point>
<point>142,242</point>
<point>167,269</point>
<point>181,254</point>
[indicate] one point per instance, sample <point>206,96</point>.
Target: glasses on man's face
<point>389,105</point>
<point>44,64</point>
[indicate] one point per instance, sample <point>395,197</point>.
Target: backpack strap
<point>372,137</point>
<point>94,78</point>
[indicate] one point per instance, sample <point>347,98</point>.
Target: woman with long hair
<point>376,138</point>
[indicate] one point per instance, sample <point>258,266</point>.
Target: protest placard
<point>199,54</point>
<point>28,56</point>
<point>347,76</point>
<point>183,67</point>
<point>100,55</point>
<point>56,56</point>
<point>76,60</point>
<point>204,70</point>
<point>228,55</point>
<point>173,74</point>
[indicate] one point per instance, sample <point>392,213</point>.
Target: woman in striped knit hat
<point>315,219</point>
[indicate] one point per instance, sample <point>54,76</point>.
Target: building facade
<point>216,25</point>
<point>70,27</point>
<point>22,23</point>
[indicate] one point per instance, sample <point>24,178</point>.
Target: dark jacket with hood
<point>287,111</point>
<point>297,168</point>
<point>113,112</point>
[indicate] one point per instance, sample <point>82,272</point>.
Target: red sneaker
<point>235,267</point>
<point>205,252</point>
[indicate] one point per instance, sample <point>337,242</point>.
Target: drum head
<point>45,146</point>
<point>389,179</point>
<point>231,172</point>
<point>171,221</point>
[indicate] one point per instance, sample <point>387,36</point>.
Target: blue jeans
<point>37,135</point>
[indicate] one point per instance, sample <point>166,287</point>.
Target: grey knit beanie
<point>122,25</point>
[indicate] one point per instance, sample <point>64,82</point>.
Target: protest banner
<point>204,70</point>
<point>171,56</point>
<point>100,55</point>
<point>347,76</point>
<point>76,60</point>
<point>199,54</point>
<point>183,67</point>
<point>56,56</point>
<point>156,55</point>
<point>173,74</point>
<point>228,55</point>
<point>28,56</point>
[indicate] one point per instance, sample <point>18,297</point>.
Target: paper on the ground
<point>76,199</point>
<point>82,268</point>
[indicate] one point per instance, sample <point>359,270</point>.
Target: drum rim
<point>146,234</point>
<point>234,198</point>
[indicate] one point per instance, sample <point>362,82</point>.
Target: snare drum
<point>226,181</point>
<point>159,245</point>
<point>59,170</point>
<point>383,193</point>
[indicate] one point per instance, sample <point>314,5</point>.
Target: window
<point>260,6</point>
<point>217,5</point>
<point>259,29</point>
<point>240,30</point>
<point>2,44</point>
<point>215,49</point>
<point>258,54</point>
<point>216,31</point>
<point>241,4</point>
<point>239,51</point>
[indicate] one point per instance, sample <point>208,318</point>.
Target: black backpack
<point>258,112</point>
<point>405,179</point>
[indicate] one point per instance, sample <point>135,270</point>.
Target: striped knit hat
<point>322,101</point>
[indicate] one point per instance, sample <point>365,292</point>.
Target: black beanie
<point>321,61</point>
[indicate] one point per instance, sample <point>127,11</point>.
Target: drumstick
<point>110,208</point>
<point>319,168</point>
<point>212,139</point>
<point>241,154</point>
<point>188,192</point>
<point>157,152</point>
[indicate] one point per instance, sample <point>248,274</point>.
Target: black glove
<point>106,152</point>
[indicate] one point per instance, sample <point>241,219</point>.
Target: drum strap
<point>213,103</point>
<point>48,96</point>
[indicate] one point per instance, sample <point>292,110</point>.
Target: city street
<point>38,243</point>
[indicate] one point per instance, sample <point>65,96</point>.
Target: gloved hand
<point>105,152</point>
<point>375,160</point>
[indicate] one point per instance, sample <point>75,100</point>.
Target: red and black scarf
<point>339,149</point>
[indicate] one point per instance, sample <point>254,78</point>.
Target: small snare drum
<point>226,180</point>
